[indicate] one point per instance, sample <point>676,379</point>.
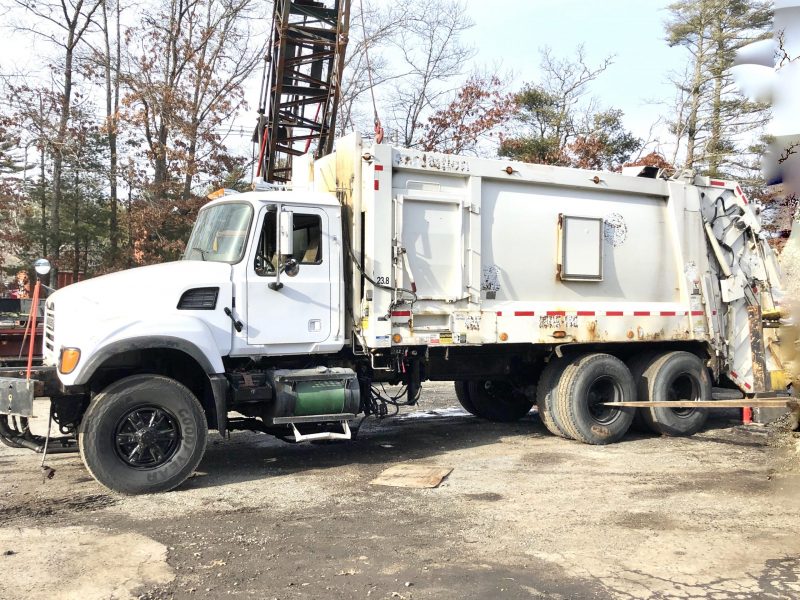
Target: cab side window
<point>307,239</point>
<point>307,242</point>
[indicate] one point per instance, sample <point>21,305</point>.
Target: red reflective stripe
<point>614,313</point>
<point>377,185</point>
<point>734,375</point>
<point>556,313</point>
<point>747,385</point>
<point>379,167</point>
<point>667,313</point>
<point>697,313</point>
<point>586,313</point>
<point>716,183</point>
<point>641,313</point>
<point>524,313</point>
<point>499,313</point>
<point>401,313</point>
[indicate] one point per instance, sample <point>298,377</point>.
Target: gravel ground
<point>522,515</point>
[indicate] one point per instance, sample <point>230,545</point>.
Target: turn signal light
<point>397,338</point>
<point>68,360</point>
<point>503,337</point>
<point>559,334</point>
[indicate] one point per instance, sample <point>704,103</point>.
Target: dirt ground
<point>522,515</point>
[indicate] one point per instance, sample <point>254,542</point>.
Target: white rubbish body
<point>510,253</point>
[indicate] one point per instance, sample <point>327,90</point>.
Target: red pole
<point>747,415</point>
<point>264,137</point>
<point>32,322</point>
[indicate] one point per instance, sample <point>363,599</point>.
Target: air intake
<point>199,299</point>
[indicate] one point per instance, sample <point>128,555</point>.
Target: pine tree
<point>716,123</point>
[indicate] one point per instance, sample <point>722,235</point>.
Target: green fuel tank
<point>323,391</point>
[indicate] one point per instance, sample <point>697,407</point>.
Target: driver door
<point>300,312</point>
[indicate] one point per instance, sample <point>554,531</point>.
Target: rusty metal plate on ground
<point>16,396</point>
<point>412,476</point>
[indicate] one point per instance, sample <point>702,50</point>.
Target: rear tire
<point>675,376</point>
<point>637,366</point>
<point>498,400</point>
<point>587,382</point>
<point>462,393</point>
<point>546,396</point>
<point>143,434</point>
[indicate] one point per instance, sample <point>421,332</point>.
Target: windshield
<point>220,233</point>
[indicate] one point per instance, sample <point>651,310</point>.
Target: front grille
<point>49,327</point>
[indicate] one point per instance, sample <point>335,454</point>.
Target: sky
<point>512,31</point>
<point>509,33</point>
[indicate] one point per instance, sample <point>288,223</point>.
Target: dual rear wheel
<point>493,400</point>
<point>572,396</point>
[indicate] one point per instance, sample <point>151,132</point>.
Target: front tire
<point>498,400</point>
<point>143,434</point>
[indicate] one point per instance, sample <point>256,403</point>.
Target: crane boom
<point>301,84</point>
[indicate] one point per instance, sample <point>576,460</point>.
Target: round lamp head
<point>42,266</point>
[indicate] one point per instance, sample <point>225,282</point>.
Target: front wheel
<point>143,434</point>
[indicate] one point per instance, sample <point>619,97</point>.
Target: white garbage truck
<point>525,284</point>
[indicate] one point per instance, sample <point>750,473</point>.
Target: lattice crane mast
<point>301,84</point>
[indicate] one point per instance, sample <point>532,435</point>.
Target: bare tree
<point>64,23</point>
<point>185,77</point>
<point>366,67</point>
<point>430,56</point>
<point>225,59</point>
<point>110,58</point>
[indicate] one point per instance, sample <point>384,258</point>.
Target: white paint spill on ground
<point>79,563</point>
<point>437,412</point>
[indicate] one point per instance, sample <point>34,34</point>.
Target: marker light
<point>68,360</point>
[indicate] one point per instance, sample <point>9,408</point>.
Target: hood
<point>136,303</point>
<point>142,288</point>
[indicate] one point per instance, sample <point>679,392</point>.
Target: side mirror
<point>286,242</point>
<point>285,249</point>
<point>291,267</point>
